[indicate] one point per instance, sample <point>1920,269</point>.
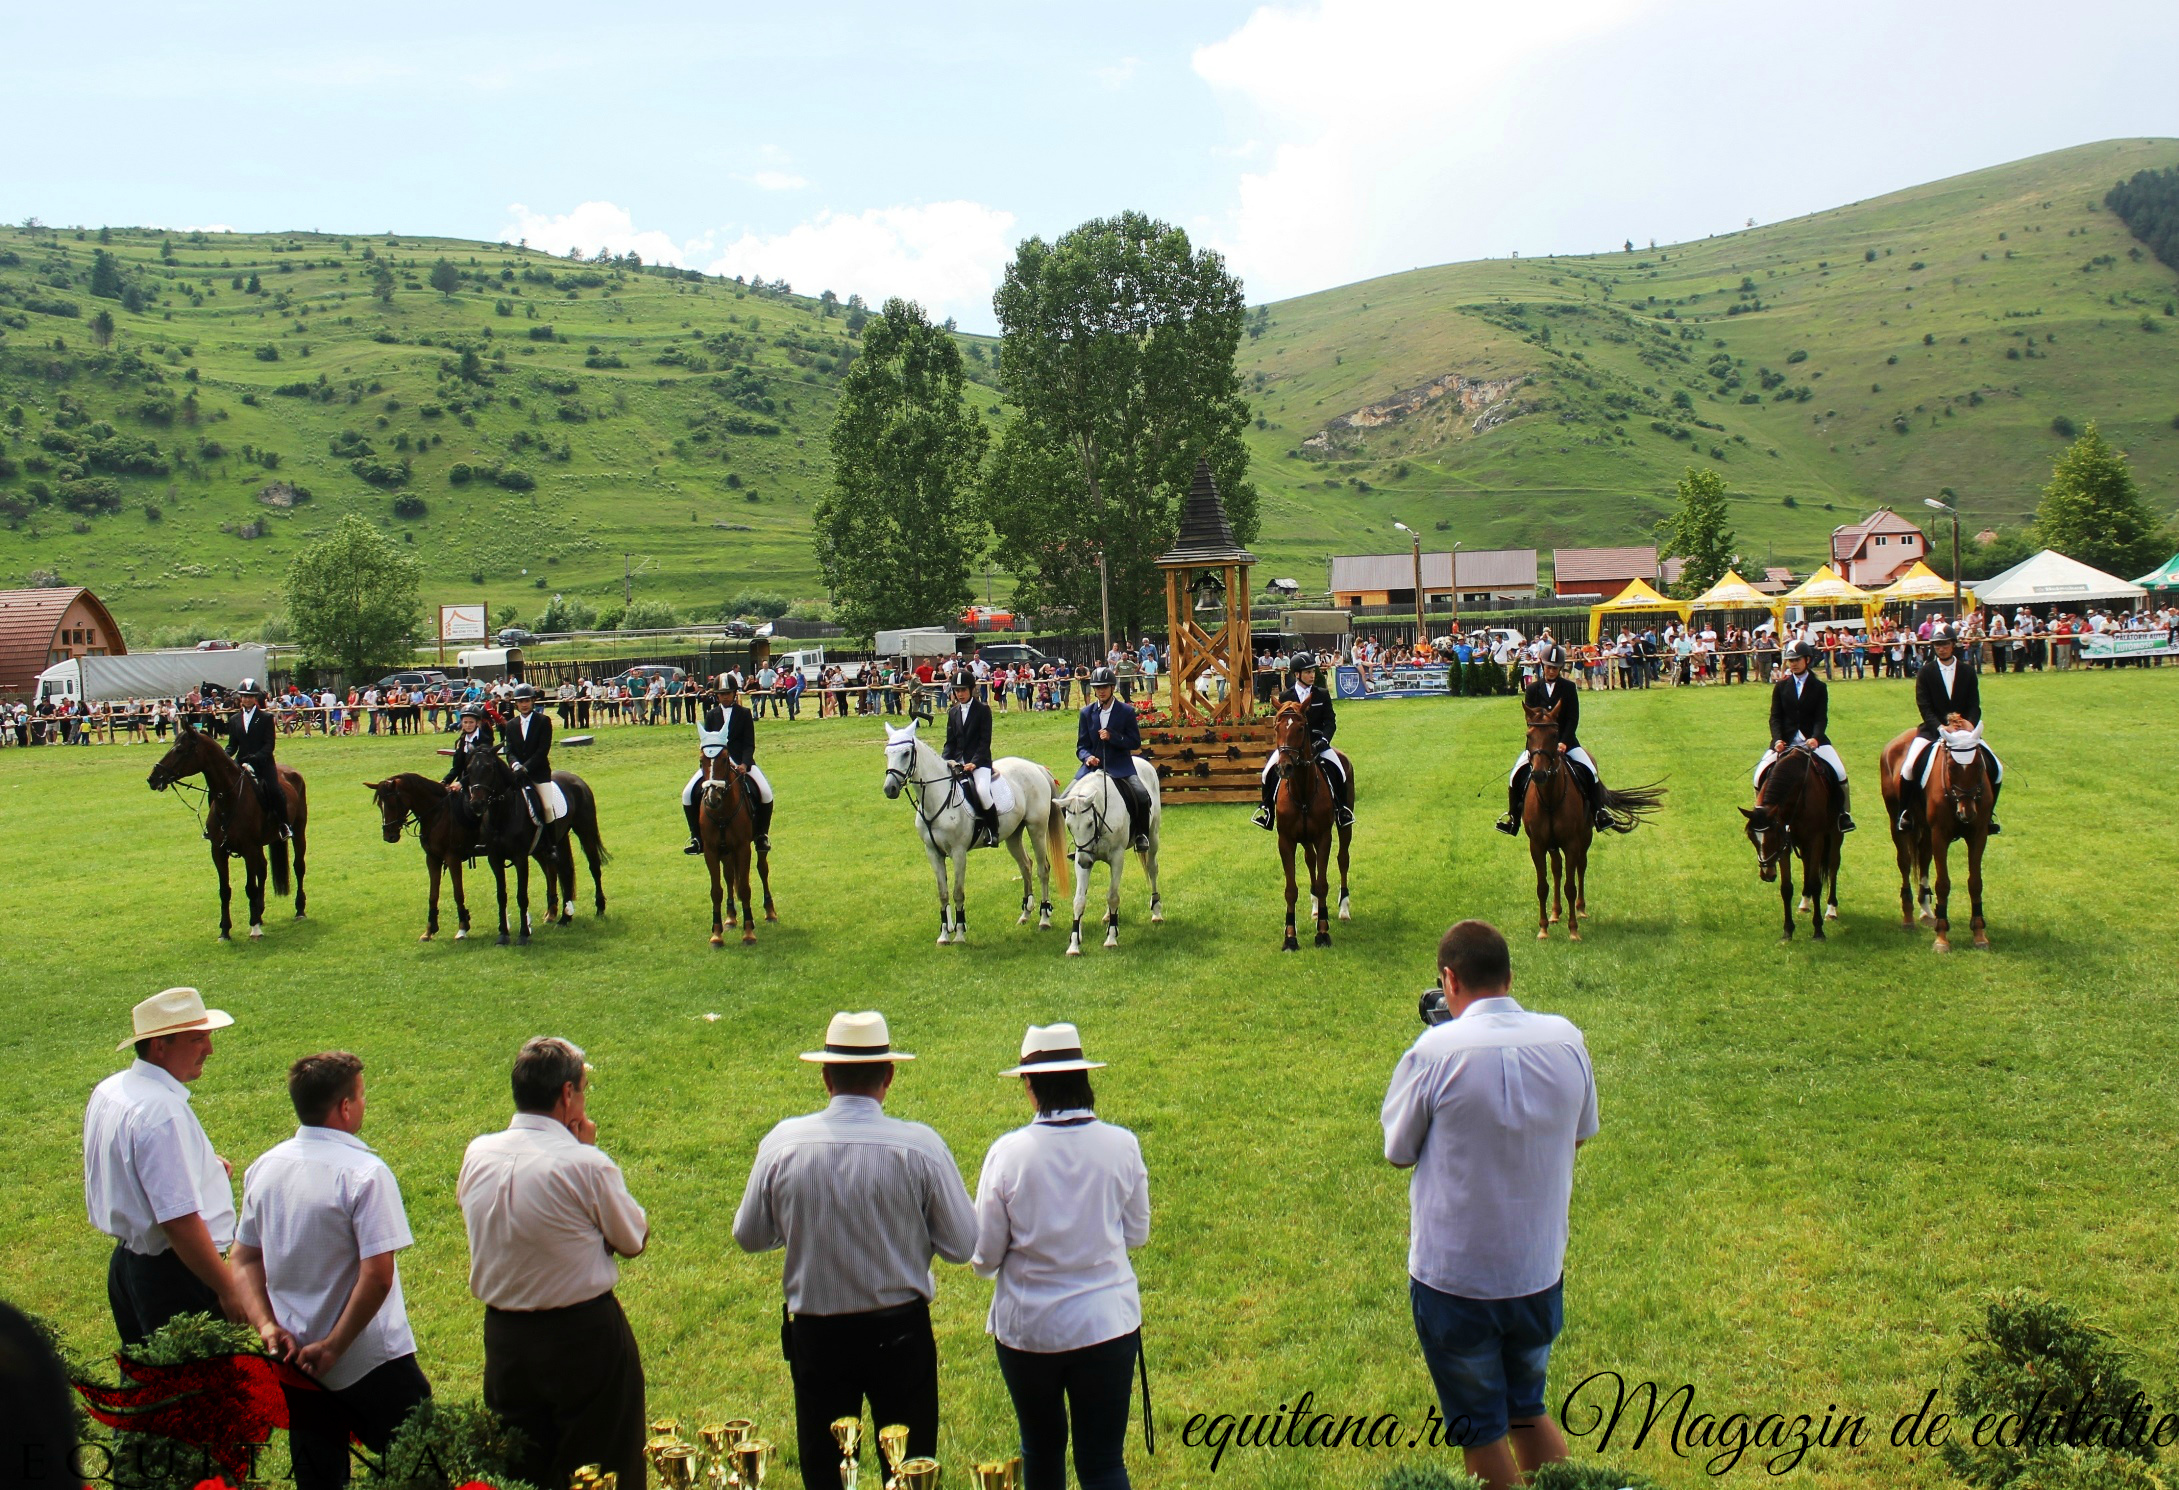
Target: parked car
<point>638,678</point>
<point>1012,654</point>
<point>429,677</point>
<point>515,636</point>
<point>215,646</point>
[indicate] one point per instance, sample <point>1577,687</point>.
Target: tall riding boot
<point>1995,788</point>
<point>764,825</point>
<point>1510,824</point>
<point>1846,814</point>
<point>696,831</point>
<point>1599,816</point>
<point>1263,817</point>
<point>1342,792</point>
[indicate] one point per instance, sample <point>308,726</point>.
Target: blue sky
<point>904,149</point>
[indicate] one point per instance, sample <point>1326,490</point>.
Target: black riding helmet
<point>964,681</point>
<point>1104,678</point>
<point>1302,662</point>
<point>1556,657</point>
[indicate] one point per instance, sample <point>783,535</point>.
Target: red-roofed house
<point>1877,550</point>
<point>41,627</point>
<point>1603,572</point>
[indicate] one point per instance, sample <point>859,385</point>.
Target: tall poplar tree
<point>2092,511</point>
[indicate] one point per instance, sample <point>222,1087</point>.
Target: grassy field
<point>1813,1159</point>
<point>677,426</point>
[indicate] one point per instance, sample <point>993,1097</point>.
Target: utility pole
<point>1104,598</point>
<point>1456,587</point>
<point>627,582</point>
<point>1948,507</point>
<point>1410,532</point>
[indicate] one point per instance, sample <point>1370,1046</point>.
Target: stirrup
<point>1261,817</point>
<point>1600,819</point>
<point>1905,821</point>
<point>1508,825</point>
<point>1343,816</point>
<point>1993,828</point>
<point>1847,823</point>
<point>694,847</point>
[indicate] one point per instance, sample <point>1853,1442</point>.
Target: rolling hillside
<point>539,425</point>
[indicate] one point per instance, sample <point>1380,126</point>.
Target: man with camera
<point>1487,1108</point>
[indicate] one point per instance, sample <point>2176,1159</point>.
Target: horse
<point>444,827</point>
<point>506,834</point>
<point>235,823</point>
<point>1097,829</point>
<point>1953,805</point>
<point>1557,822</point>
<point>1302,807</point>
<point>579,824</point>
<point>1795,812</point>
<point>727,826</point>
<point>948,828</point>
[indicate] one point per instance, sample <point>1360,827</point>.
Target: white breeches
<point>1578,755</point>
<point>550,798</point>
<point>992,790</point>
<point>756,779</point>
<point>1337,761</point>
<point>1824,753</point>
<point>1908,768</point>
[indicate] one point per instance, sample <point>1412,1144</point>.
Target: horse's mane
<point>1773,793</point>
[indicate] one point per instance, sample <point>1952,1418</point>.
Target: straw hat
<point>856,1039</point>
<point>174,1012</point>
<point>1052,1047</point>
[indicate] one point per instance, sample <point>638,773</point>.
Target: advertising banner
<point>2099,646</point>
<point>461,623</point>
<point>1423,680</point>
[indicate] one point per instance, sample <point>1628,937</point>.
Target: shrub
<point>2032,1354</point>
<point>1429,1476</point>
<point>90,494</point>
<point>460,472</point>
<point>380,472</point>
<point>408,505</point>
<point>648,615</point>
<point>444,1444</point>
<point>753,603</point>
<point>1798,355</point>
<point>2064,428</point>
<point>543,333</point>
<point>514,479</point>
<point>268,353</point>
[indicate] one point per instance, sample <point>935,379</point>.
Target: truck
<point>161,674</point>
<point>918,642</point>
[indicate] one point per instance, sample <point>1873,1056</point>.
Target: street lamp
<point>1456,588</point>
<point>1410,532</point>
<point>1948,507</point>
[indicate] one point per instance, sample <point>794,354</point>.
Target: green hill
<point>614,416</point>
<point>1873,353</point>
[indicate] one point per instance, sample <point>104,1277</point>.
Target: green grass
<point>1813,1159</point>
<point>2015,252</point>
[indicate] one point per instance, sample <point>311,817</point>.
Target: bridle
<point>899,778</point>
<point>1781,815</point>
<point>1094,805</point>
<point>1291,761</point>
<point>1553,763</point>
<point>709,782</point>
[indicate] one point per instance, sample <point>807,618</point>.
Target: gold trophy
<point>586,1477</point>
<point>848,1434</point>
<point>892,1448</point>
<point>920,1473</point>
<point>750,1457</point>
<point>677,1467</point>
<point>666,1428</point>
<point>1013,1472</point>
<point>989,1475</point>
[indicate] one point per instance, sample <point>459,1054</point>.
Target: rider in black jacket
<point>527,740</point>
<point>725,713</point>
<point>1945,685</point>
<point>1315,701</point>
<point>250,737</point>
<point>1552,691</point>
<point>1800,710</point>
<point>968,747</point>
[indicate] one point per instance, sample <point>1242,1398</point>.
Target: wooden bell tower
<point>1206,611</point>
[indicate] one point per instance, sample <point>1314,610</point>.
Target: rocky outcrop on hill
<point>1483,398</point>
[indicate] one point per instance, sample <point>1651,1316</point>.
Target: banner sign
<point>1424,680</point>
<point>2105,644</point>
<point>461,623</point>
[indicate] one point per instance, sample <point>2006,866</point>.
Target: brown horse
<point>1303,808</point>
<point>727,827</point>
<point>234,823</point>
<point>1794,814</point>
<point>1953,805</point>
<point>1557,822</point>
<point>444,827</point>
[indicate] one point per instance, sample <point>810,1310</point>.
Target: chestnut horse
<point>1794,814</point>
<point>1302,807</point>
<point>727,828</point>
<point>1952,806</point>
<point>235,823</point>
<point>444,826</point>
<point>1556,819</point>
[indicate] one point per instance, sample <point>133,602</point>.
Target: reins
<point>908,778</point>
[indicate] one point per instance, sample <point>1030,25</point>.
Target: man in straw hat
<point>152,1181</point>
<point>547,1212</point>
<point>861,1202</point>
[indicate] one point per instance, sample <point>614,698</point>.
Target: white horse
<point>947,826</point>
<point>1097,826</point>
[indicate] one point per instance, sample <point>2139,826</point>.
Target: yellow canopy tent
<point>1636,598</point>
<point>1922,583</point>
<point>1826,590</point>
<point>1734,593</point>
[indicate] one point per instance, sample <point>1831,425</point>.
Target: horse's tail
<point>586,828</point>
<point>279,855</point>
<point>1055,846</point>
<point>1631,807</point>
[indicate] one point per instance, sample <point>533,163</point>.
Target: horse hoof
<point>1543,934</point>
<point>1554,918</point>
<point>1157,918</point>
<point>462,935</point>
<point>503,938</point>
<point>1831,913</point>
<point>718,941</point>
<point>257,933</point>
<point>1074,949</point>
<point>1941,945</point>
<point>1344,913</point>
<point>770,914</point>
<point>1112,941</point>
<point>223,936</point>
<point>1323,939</point>
<point>748,938</point>
<point>427,936</point>
<point>1573,936</point>
<point>1982,944</point>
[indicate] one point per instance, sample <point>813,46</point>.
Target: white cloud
<point>948,256</point>
<point>1119,74</point>
<point>775,181</point>
<point>595,225</point>
<point>1383,120</point>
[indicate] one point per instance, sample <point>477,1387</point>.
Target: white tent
<point>2050,578</point>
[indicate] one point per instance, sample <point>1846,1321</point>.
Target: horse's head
<point>1966,787</point>
<point>1079,805</point>
<point>182,759</point>
<point>1768,834</point>
<point>1543,737</point>
<point>393,813</point>
<point>486,779</point>
<point>900,752</point>
<point>1290,733</point>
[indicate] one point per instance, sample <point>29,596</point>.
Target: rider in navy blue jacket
<point>1106,737</point>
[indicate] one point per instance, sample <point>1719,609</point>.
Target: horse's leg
<point>960,893</point>
<point>1577,868</point>
<point>1834,853</point>
<point>1286,852</point>
<point>1974,892</point>
<point>461,899</point>
<point>567,870</point>
<point>1785,890</point>
<point>742,854</point>
<point>1539,853</point>
<point>1113,871</point>
<point>295,838</point>
<point>1812,876</point>
<point>431,922</point>
<point>1150,871</point>
<point>1558,876</point>
<point>764,876</point>
<point>945,906</point>
<point>499,878</point>
<point>226,895</point>
<point>522,895</point>
<point>1941,851</point>
<point>1345,911</point>
<point>1320,885</point>
<point>1081,903</point>
<point>253,889</point>
<point>1020,851</point>
<point>718,926</point>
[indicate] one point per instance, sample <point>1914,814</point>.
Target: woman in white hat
<point>1060,1204</point>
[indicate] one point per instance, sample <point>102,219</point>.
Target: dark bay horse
<point>1556,820</point>
<point>1953,806</point>
<point>1302,808</point>
<point>234,822</point>
<point>445,827</point>
<point>1795,813</point>
<point>727,827</point>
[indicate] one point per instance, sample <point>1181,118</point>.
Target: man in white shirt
<point>1487,1108</point>
<point>152,1181</point>
<point>861,1202</point>
<point>547,1211</point>
<point>321,1222</point>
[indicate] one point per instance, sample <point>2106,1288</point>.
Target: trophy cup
<point>750,1457</point>
<point>988,1475</point>
<point>1013,1472</point>
<point>713,1437</point>
<point>892,1448</point>
<point>585,1477</point>
<point>848,1434</point>
<point>666,1428</point>
<point>919,1473</point>
<point>677,1467</point>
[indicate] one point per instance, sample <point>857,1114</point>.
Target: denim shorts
<point>1486,1357</point>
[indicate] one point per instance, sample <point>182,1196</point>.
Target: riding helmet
<point>474,711</point>
<point>1104,678</point>
<point>1556,657</point>
<point>1302,662</point>
<point>1943,634</point>
<point>729,684</point>
<point>964,680</point>
<point>525,691</point>
<point>250,686</point>
<point>1802,650</point>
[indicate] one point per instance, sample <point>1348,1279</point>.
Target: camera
<point>1432,1006</point>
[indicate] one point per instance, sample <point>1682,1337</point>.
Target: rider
<point>725,711</point>
<point>250,736</point>
<point>1546,692</point>
<point>1800,710</point>
<point>1106,739</point>
<point>473,738</point>
<point>1945,686</point>
<point>527,740</point>
<point>968,746</point>
<point>1316,703</point>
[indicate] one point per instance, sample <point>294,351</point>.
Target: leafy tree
<point>102,327</point>
<point>1698,533</point>
<point>105,275</point>
<point>445,278</point>
<point>352,599</point>
<point>2149,206</point>
<point>649,615</point>
<point>1118,360</point>
<point>382,283</point>
<point>900,529</point>
<point>566,613</point>
<point>2092,511</point>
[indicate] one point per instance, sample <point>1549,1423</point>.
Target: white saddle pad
<point>1002,794</point>
<point>551,798</point>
